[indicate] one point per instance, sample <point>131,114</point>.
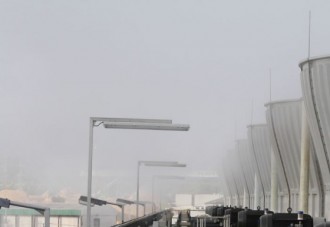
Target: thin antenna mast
<point>251,111</point>
<point>321,190</point>
<point>270,84</point>
<point>235,138</point>
<point>255,157</point>
<point>235,132</point>
<point>277,145</point>
<point>309,35</point>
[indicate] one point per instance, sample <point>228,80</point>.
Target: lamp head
<point>4,203</point>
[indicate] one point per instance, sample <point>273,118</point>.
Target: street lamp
<point>163,177</point>
<point>43,210</point>
<point>130,202</point>
<point>154,164</point>
<point>83,201</point>
<point>122,123</point>
<point>146,203</point>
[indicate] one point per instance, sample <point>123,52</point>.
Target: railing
<point>226,220</point>
<point>207,220</point>
<point>144,221</point>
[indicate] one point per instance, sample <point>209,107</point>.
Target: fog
<point>203,63</point>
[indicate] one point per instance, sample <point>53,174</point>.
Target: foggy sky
<point>204,63</point>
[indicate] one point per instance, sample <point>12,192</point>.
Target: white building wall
<point>315,82</point>
<point>284,124</point>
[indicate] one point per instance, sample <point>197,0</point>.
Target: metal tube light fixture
<point>146,126</point>
<point>152,164</point>
<point>123,123</point>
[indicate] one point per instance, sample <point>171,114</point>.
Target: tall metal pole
<point>258,168</point>
<point>152,193</point>
<point>137,190</point>
<point>274,162</point>
<point>305,144</point>
<point>256,192</point>
<point>304,163</point>
<point>160,198</point>
<point>274,183</point>
<point>244,199</point>
<point>90,163</point>
<point>246,188</point>
<point>43,210</point>
<point>47,217</point>
<point>122,214</point>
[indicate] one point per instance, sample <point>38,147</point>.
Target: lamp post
<point>163,177</point>
<point>83,201</point>
<point>129,202</point>
<point>42,210</point>
<point>153,164</point>
<point>146,203</point>
<point>122,123</point>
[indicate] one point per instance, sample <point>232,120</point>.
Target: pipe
<point>244,198</point>
<point>274,183</point>
<point>319,181</point>
<point>237,198</point>
<point>137,189</point>
<point>258,169</point>
<point>230,199</point>
<point>43,210</point>
<point>90,173</point>
<point>314,158</point>
<point>122,214</point>
<point>280,155</point>
<point>304,162</point>
<point>227,200</point>
<point>152,194</point>
<point>47,217</point>
<point>256,192</point>
<point>246,188</point>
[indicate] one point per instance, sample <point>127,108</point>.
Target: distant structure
<point>287,163</point>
